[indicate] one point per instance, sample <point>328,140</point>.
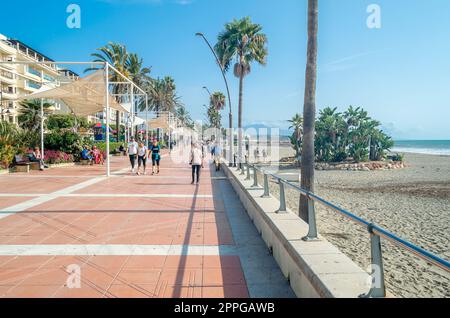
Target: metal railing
<point>376,233</point>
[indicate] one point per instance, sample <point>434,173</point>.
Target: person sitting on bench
<point>35,156</point>
<point>86,155</point>
<point>98,156</point>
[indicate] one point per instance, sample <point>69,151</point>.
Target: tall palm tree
<point>162,94</point>
<point>116,55</point>
<point>243,42</point>
<point>129,64</point>
<point>137,72</point>
<point>309,108</point>
<point>30,114</point>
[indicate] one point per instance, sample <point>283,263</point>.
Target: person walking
<point>155,148</point>
<point>142,157</point>
<point>196,161</point>
<point>217,155</point>
<point>132,151</point>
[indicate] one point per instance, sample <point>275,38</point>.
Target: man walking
<point>196,161</point>
<point>132,150</point>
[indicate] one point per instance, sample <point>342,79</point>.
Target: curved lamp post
<point>228,92</point>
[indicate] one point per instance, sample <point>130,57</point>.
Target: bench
<point>24,165</point>
<point>85,162</point>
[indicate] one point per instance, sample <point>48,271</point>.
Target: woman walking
<point>132,152</point>
<point>142,157</point>
<point>156,156</point>
<point>196,161</point>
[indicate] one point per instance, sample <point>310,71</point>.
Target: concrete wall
<point>315,269</point>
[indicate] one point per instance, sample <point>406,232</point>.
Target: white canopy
<point>84,97</point>
<point>138,121</point>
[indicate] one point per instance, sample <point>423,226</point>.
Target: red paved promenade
<point>129,236</point>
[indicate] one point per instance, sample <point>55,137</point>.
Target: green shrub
<point>112,146</point>
<point>63,121</point>
<point>397,157</point>
<point>350,134</point>
<point>65,141</point>
<point>7,153</point>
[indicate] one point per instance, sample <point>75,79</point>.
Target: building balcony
<point>7,94</point>
<point>8,66</point>
<point>7,47</point>
<point>7,79</point>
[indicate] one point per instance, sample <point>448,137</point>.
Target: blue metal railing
<point>378,289</point>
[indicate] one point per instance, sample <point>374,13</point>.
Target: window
<point>33,84</point>
<point>34,71</point>
<point>49,78</point>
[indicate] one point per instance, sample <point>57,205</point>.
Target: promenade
<point>72,232</point>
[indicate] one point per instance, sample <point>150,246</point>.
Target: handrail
<point>375,231</point>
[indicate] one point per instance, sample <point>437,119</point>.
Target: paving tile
<point>86,217</point>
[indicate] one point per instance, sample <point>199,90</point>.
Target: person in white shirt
<point>132,151</point>
<point>142,154</point>
<point>196,161</point>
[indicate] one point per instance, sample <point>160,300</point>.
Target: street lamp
<point>222,70</point>
<point>206,88</point>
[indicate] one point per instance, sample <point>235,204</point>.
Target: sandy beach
<point>413,203</point>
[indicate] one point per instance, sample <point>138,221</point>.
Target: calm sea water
<point>432,147</point>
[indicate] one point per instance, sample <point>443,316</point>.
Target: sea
<point>430,147</point>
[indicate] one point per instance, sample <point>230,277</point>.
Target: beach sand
<point>413,203</point>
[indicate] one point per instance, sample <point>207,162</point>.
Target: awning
<point>84,97</point>
<point>138,121</point>
<point>161,122</point>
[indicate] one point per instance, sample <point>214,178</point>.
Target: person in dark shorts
<point>155,148</point>
<point>196,161</point>
<point>142,157</point>
<point>132,150</point>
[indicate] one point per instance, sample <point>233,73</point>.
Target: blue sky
<point>399,73</point>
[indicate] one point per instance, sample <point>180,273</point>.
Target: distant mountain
<point>257,127</point>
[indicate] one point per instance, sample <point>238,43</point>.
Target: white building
<point>19,79</point>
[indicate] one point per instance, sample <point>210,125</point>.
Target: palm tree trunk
<point>309,111</point>
<point>240,132</point>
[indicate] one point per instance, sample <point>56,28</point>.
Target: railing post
<point>378,289</point>
<point>282,198</point>
<point>255,177</point>
<point>248,172</point>
<point>266,187</point>
<point>312,232</point>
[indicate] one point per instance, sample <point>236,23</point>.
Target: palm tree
<point>162,94</point>
<point>136,70</point>
<point>129,64</point>
<point>243,42</point>
<point>30,114</point>
<point>296,139</point>
<point>217,101</point>
<point>309,110</point>
<point>214,117</point>
<point>183,115</point>
<point>116,55</point>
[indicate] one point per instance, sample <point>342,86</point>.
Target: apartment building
<point>19,79</point>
